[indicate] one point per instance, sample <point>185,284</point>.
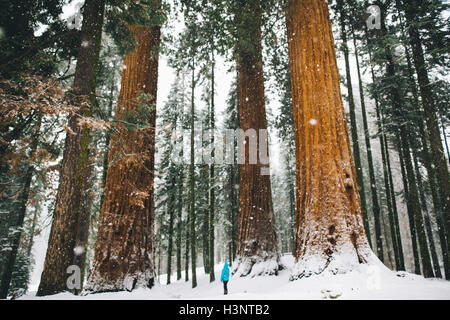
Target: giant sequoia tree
<point>257,241</point>
<point>61,244</point>
<point>328,218</point>
<point>124,249</point>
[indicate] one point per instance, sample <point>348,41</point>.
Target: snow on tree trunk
<point>329,230</point>
<point>257,251</point>
<point>124,250</point>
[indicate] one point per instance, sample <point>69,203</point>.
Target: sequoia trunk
<point>68,206</point>
<point>124,249</point>
<point>257,241</point>
<point>328,222</point>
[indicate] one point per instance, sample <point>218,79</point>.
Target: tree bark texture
<point>329,223</point>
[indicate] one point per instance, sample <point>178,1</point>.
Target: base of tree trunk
<point>256,266</point>
<point>345,259</point>
<point>98,284</point>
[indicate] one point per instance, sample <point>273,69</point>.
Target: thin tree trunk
<point>171,209</point>
<point>187,246</point>
<point>387,173</point>
<point>428,162</point>
<point>329,221</point>
<point>179,221</point>
<point>180,188</point>
<point>212,199</point>
<point>124,257</point>
<point>192,185</point>
<point>60,251</point>
<point>371,166</point>
<point>423,201</point>
<point>412,224</point>
<point>430,112</point>
<point>444,134</point>
<point>415,205</point>
<point>356,148</point>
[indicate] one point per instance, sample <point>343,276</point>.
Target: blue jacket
<point>225,273</point>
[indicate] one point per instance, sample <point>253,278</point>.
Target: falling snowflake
<point>313,122</point>
<point>78,250</point>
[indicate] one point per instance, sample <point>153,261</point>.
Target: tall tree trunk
<point>387,172</point>
<point>179,222</point>
<point>329,222</point>
<point>212,198</point>
<point>412,224</point>
<point>415,205</point>
<point>205,238</point>
<point>192,185</point>
<point>124,257</point>
<point>257,240</point>
<point>430,112</point>
<point>171,209</point>
<point>356,148</point>
<point>373,186</point>
<point>423,201</point>
<point>61,244</point>
<point>187,246</point>
<point>427,160</point>
<point>180,184</point>
<point>404,151</point>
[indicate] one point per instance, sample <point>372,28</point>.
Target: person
<point>225,277</point>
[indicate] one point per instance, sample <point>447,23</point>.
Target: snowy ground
<point>368,282</point>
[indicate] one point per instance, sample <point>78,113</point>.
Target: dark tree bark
<point>355,145</point>
<point>212,198</point>
<point>171,209</point>
<point>192,214</point>
<point>187,246</point>
<point>387,172</point>
<point>412,224</point>
<point>430,112</point>
<point>415,206</point>
<point>60,251</point>
<point>427,159</point>
<point>423,201</point>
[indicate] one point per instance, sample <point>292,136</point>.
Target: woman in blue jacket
<point>225,277</point>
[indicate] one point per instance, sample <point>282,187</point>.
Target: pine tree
<point>355,139</point>
<point>431,118</point>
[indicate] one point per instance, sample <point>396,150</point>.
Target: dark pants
<point>225,287</point>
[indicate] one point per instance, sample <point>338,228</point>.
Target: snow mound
<point>255,266</point>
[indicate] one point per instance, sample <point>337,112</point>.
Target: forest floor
<point>367,282</point>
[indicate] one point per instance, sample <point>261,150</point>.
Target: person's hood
<point>226,265</point>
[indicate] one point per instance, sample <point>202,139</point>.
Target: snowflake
<point>78,250</point>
